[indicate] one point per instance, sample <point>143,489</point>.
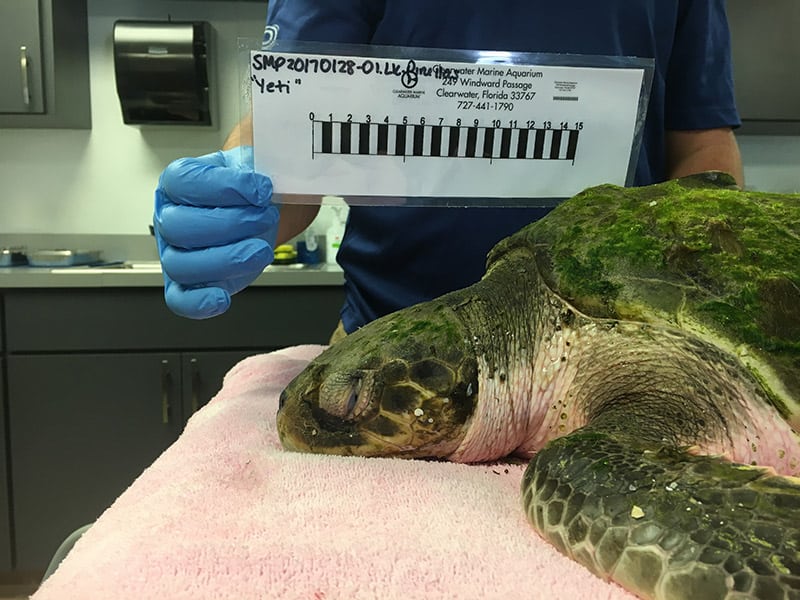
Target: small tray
<point>64,258</point>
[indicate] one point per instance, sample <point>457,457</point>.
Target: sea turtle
<point>642,345</point>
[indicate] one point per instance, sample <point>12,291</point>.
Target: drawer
<point>87,319</point>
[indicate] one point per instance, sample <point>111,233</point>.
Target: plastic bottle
<point>334,234</point>
<point>308,250</point>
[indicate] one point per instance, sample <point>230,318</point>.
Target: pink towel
<point>226,513</point>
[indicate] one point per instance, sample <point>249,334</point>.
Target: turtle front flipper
<point>666,524</point>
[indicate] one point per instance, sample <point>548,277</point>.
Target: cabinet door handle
<point>23,68</point>
<point>195,384</point>
<point>165,389</point>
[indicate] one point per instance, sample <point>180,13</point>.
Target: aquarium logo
<point>270,36</point>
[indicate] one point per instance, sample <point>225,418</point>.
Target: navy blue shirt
<point>397,256</point>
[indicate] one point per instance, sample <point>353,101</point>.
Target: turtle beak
<point>299,429</point>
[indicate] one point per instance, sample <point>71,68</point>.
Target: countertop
<point>148,274</point>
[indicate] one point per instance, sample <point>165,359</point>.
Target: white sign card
<point>352,126</point>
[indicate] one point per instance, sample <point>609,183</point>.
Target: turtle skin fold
<point>666,524</point>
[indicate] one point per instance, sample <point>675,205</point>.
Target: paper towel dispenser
<point>161,69</point>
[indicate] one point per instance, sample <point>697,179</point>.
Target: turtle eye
<point>353,399</point>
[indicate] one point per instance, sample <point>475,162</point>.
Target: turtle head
<point>403,385</point>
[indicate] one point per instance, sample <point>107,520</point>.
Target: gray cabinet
<point>21,55</point>
<point>5,516</point>
<point>82,427</point>
<point>44,64</point>
<point>101,380</point>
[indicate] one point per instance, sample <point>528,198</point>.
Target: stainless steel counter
<point>148,274</point>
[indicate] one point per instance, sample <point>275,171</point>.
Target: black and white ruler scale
<point>497,139</point>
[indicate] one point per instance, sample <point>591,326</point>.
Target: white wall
<point>101,181</point>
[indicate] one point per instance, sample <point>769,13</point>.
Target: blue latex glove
<point>215,226</point>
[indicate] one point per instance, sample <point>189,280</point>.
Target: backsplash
<point>101,181</point>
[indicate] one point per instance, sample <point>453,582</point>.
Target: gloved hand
<point>215,227</point>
